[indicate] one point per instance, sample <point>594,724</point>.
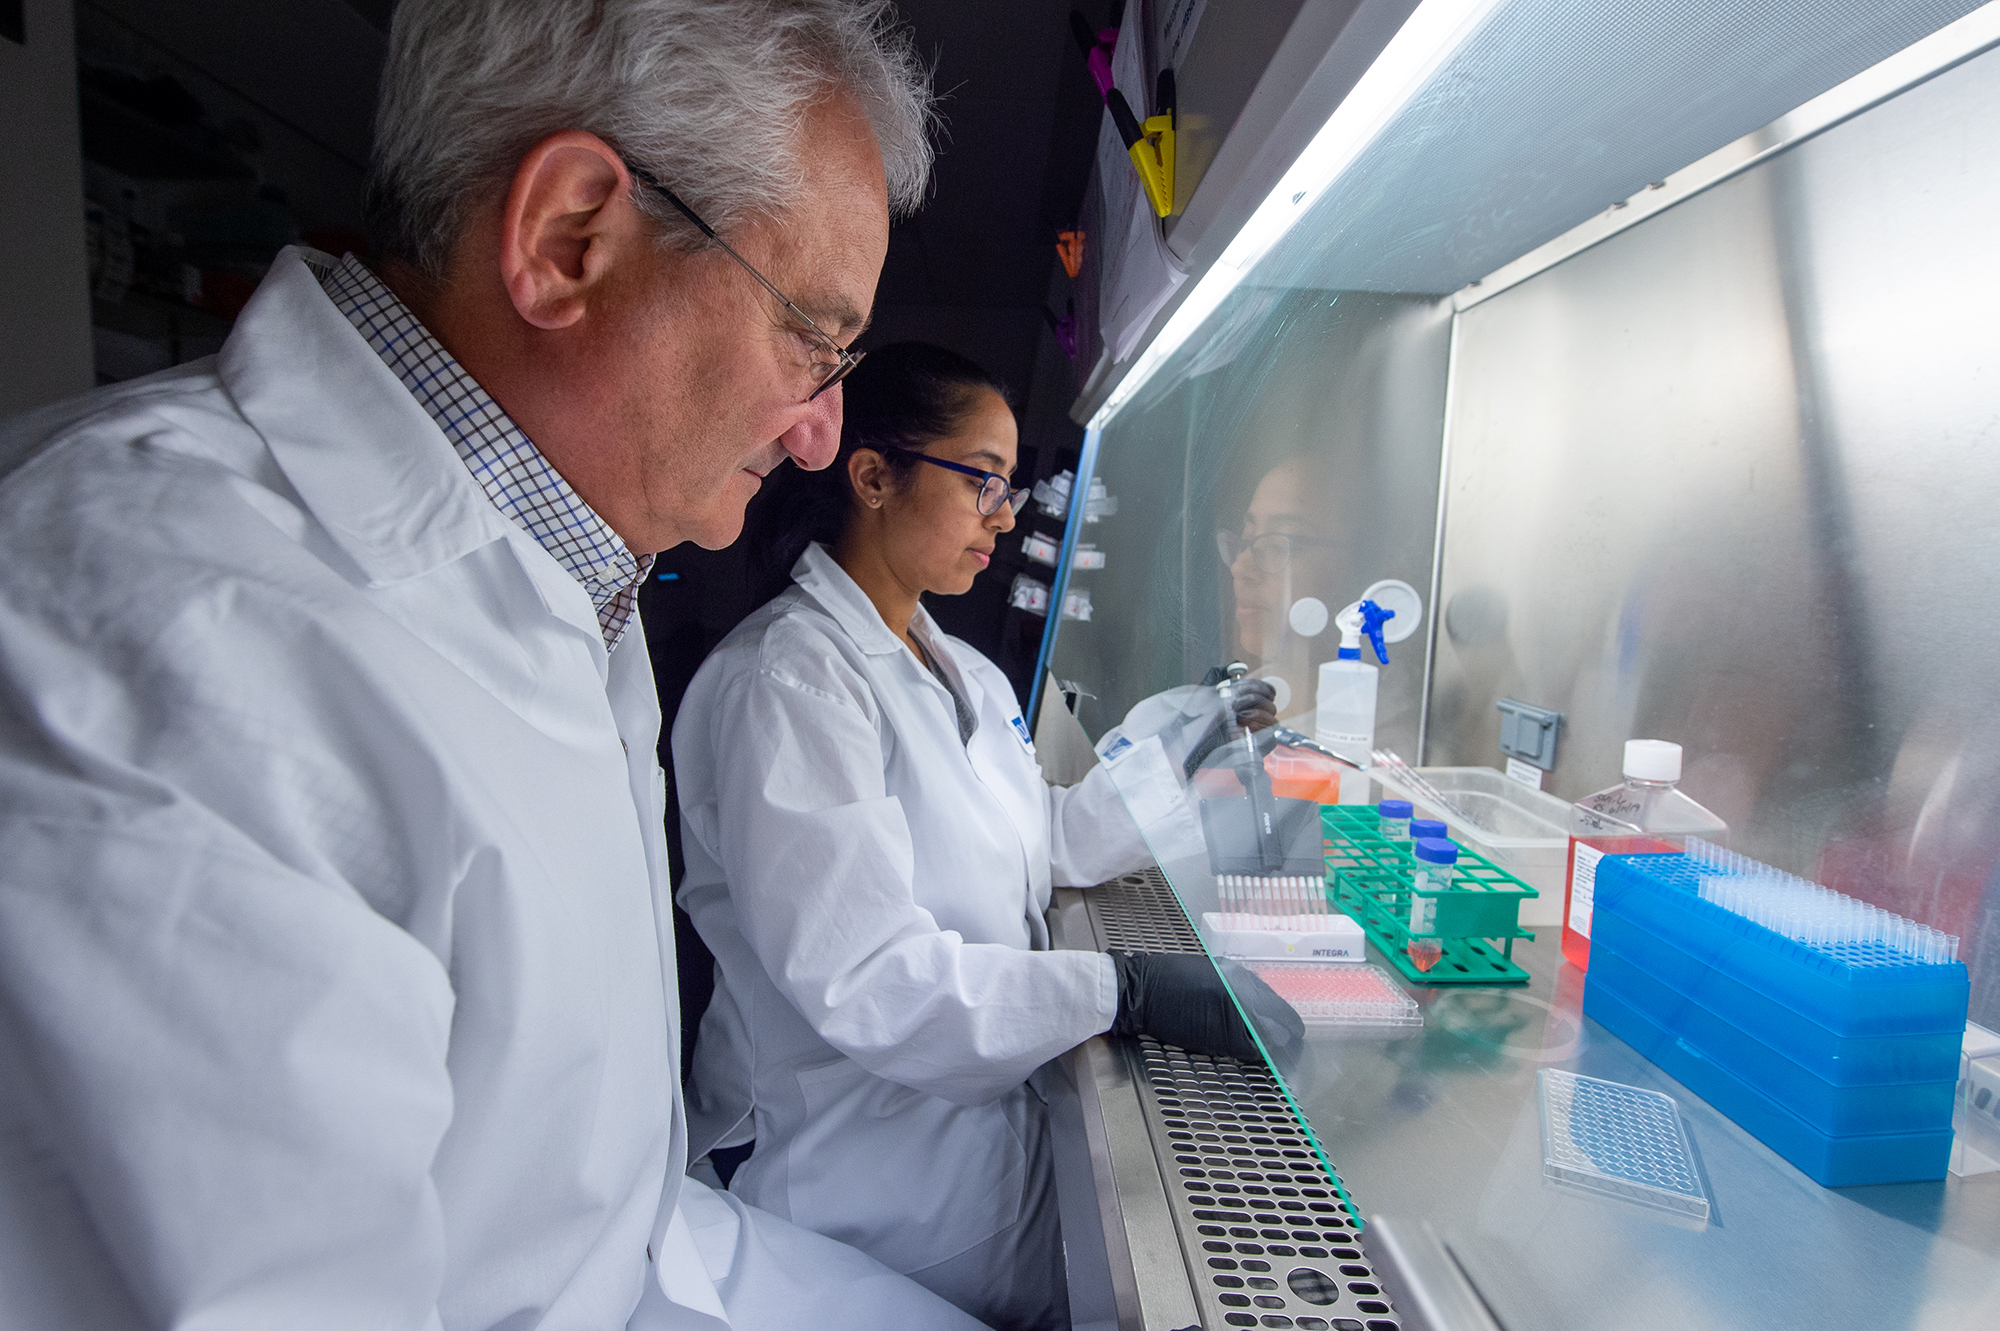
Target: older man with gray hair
<point>336,964</point>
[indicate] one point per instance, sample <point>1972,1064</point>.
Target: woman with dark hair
<point>870,848</point>
<point>913,397</point>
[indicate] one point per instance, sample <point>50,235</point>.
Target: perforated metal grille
<point>1269,1242</point>
<point>1140,912</point>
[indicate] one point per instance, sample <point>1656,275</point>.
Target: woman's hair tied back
<point>904,396</point>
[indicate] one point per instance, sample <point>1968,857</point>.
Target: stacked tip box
<point>1841,1057</point>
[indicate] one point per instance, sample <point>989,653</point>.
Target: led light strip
<point>1424,42</point>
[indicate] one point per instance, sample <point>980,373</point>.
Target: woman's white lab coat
<point>873,890</point>
<point>333,887</point>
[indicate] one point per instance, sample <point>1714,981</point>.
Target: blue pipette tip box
<point>1838,1056</point>
<point>1830,1161</point>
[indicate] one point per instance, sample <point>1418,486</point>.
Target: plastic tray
<point>1976,1124</point>
<point>1284,937</point>
<point>1830,1161</point>
<point>1477,917</point>
<point>1850,991</point>
<point>1340,994</point>
<point>1618,1140</point>
<point>1520,829</point>
<point>1838,1111</point>
<point>1840,1060</point>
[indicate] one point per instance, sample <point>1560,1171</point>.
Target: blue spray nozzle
<point>1373,617</point>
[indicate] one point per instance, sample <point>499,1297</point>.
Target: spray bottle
<point>1348,685</point>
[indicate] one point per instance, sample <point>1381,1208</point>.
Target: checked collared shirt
<point>505,462</point>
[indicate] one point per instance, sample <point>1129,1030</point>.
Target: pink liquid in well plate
<point>1339,993</point>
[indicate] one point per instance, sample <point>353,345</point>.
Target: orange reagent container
<point>1644,815</point>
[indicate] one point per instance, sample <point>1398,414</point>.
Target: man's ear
<point>568,212</point>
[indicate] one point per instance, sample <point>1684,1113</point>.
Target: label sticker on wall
<point>1527,774</point>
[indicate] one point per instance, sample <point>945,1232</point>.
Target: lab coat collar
<point>369,463</point>
<point>841,596</point>
<point>933,638</point>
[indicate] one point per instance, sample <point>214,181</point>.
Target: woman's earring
<point>875,503</point>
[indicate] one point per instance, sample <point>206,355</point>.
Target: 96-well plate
<point>1619,1141</point>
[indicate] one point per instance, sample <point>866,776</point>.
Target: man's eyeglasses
<point>825,373</point>
<point>993,487</point>
<point>1271,552</point>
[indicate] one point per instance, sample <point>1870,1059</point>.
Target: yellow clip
<point>1153,155</point>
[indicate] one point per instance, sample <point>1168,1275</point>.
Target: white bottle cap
<point>1652,760</point>
<point>1308,617</point>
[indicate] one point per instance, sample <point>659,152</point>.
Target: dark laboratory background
<point>215,132</point>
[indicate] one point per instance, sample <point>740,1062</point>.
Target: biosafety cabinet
<point>1650,344</point>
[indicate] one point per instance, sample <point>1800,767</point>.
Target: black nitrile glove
<point>1256,700</point>
<point>1254,706</point>
<point>1177,998</point>
<point>1256,703</point>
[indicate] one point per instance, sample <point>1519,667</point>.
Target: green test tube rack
<point>1476,920</point>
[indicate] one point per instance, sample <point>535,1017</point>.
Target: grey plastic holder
<point>1619,1141</point>
<point>1529,733</point>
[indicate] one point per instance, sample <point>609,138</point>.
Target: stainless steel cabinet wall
<point>1732,478</point>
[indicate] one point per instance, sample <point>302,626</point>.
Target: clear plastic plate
<point>1619,1141</point>
<point>1346,995</point>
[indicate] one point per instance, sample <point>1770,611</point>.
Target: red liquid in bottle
<point>1644,815</point>
<point>1575,940</point>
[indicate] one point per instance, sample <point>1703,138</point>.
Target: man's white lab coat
<point>335,967</point>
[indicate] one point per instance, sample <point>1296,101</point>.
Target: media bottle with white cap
<point>1646,815</point>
